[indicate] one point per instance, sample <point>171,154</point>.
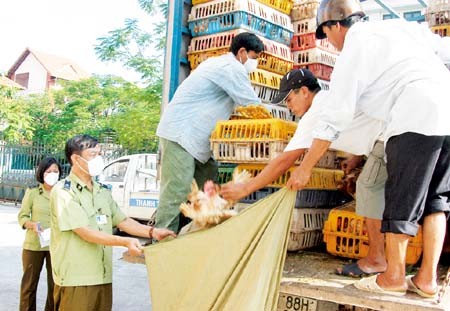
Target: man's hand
<point>351,163</point>
<point>233,192</point>
<point>134,246</point>
<point>299,178</point>
<point>161,233</point>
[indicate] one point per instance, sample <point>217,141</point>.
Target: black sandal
<point>353,270</point>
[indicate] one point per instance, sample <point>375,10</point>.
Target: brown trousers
<point>86,298</point>
<point>32,262</point>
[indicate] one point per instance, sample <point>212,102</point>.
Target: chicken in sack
<point>207,208</point>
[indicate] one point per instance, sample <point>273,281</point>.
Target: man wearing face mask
<point>209,94</point>
<point>83,214</point>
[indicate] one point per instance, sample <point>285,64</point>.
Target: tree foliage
<point>15,123</point>
<point>104,107</point>
<point>135,48</point>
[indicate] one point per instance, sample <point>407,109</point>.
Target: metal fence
<point>18,164</point>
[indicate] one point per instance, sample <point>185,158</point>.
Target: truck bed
<point>310,274</point>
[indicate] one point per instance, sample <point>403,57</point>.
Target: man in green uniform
<point>83,214</point>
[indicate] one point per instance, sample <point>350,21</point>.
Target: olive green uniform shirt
<point>35,207</point>
<point>75,261</point>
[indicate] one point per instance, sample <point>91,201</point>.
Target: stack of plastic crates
<point>312,204</point>
<point>214,24</point>
<point>308,52</point>
<point>345,234</point>
<point>438,17</point>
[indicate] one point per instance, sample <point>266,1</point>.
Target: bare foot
<point>391,283</point>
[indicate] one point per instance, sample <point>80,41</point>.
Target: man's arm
<point>133,227</point>
<point>98,237</point>
<point>301,175</point>
<point>272,171</point>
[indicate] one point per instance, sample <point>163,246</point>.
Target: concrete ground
<point>130,282</point>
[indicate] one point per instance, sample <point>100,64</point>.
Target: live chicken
<point>207,208</point>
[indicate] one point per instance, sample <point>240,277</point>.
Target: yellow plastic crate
<point>195,2</point>
<point>253,130</point>
<point>266,62</point>
<point>198,57</point>
<point>274,64</point>
<point>284,6</point>
<point>306,228</point>
<point>443,31</point>
<point>265,78</point>
<point>345,234</point>
<point>321,178</point>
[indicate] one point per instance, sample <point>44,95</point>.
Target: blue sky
<point>67,28</point>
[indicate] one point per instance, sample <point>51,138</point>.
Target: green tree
<point>99,106</point>
<point>141,51</point>
<point>15,122</point>
<point>135,48</point>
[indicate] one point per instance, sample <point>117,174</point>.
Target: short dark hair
<point>44,165</point>
<point>78,144</point>
<point>246,40</point>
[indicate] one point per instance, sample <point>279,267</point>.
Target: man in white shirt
<point>300,90</point>
<point>392,71</point>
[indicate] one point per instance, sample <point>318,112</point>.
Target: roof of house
<point>56,66</point>
<point>4,81</point>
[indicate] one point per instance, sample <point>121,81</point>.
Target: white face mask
<point>95,166</point>
<point>51,178</point>
<point>251,65</point>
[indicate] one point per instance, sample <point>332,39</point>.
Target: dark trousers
<point>32,262</point>
<point>83,298</point>
<point>418,181</point>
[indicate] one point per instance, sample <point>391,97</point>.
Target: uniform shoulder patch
<point>67,184</point>
<point>106,186</point>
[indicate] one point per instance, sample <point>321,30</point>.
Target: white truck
<point>134,185</point>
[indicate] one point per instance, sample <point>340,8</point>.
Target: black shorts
<point>418,181</point>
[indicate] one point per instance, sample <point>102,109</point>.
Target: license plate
<point>288,302</point>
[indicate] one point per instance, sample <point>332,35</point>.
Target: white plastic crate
<point>304,10</point>
<point>305,26</point>
<point>324,85</point>
<point>219,7</point>
<point>212,42</point>
<point>306,228</point>
<point>440,18</point>
<point>314,55</point>
<point>266,94</point>
<point>438,5</point>
<point>247,151</point>
<point>280,112</point>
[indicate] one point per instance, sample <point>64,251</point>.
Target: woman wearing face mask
<point>34,216</point>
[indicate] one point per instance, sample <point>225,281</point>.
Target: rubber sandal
<point>353,270</point>
<point>413,288</point>
<point>370,285</point>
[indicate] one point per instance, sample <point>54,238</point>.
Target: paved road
<point>130,283</point>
